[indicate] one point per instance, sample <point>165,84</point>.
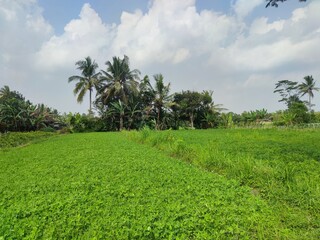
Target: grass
<point>15,139</point>
<point>280,166</point>
<point>102,186</point>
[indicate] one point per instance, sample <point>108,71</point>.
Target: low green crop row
<point>102,186</point>
<point>280,166</point>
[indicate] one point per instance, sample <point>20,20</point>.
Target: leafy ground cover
<point>102,186</point>
<point>281,166</point>
<point>15,139</point>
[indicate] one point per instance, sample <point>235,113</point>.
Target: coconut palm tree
<point>119,82</point>
<point>5,92</point>
<point>87,81</point>
<point>161,97</point>
<point>307,87</point>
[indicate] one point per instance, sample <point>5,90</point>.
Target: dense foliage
<point>19,114</point>
<point>102,186</point>
<point>298,111</point>
<point>124,100</point>
<point>281,166</point>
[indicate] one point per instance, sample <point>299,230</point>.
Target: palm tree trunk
<point>309,102</point>
<point>158,119</point>
<point>121,122</point>
<point>191,120</point>
<point>90,95</point>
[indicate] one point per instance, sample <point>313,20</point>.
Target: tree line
<point>120,99</point>
<point>19,114</point>
<point>124,100</point>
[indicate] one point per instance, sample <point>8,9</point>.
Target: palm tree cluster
<point>298,111</point>
<point>18,114</point>
<point>125,101</point>
<point>291,92</point>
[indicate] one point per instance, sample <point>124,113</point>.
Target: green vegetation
<point>232,183</point>
<point>297,111</point>
<point>18,114</point>
<point>281,166</point>
<point>125,101</point>
<point>100,185</point>
<point>87,81</point>
<point>15,139</point>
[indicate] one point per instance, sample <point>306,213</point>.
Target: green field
<point>219,184</point>
<point>281,166</point>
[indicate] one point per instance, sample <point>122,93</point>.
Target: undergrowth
<point>15,139</point>
<point>280,166</point>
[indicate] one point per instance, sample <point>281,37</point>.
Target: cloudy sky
<point>237,48</point>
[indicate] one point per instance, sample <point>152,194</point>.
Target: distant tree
<point>212,115</point>
<point>118,81</point>
<point>161,98</point>
<point>275,3</point>
<point>12,109</point>
<point>307,87</point>
<point>87,81</point>
<point>197,108</point>
<point>227,120</point>
<point>288,90</point>
<point>146,101</point>
<point>133,114</point>
<point>288,118</point>
<point>189,102</point>
<point>5,92</point>
<point>299,111</point>
<point>18,114</point>
<point>118,108</point>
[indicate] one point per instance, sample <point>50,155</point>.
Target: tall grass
<point>281,166</point>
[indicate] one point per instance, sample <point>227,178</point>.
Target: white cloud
<point>239,60</point>
<point>181,55</point>
<point>82,37</point>
<point>261,26</point>
<point>172,31</point>
<point>243,8</point>
<point>299,14</point>
<point>23,31</point>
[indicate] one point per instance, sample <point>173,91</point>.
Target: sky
<point>237,48</point>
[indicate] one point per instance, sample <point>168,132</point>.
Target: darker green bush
<point>14,139</point>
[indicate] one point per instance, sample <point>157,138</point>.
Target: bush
<point>48,129</point>
<point>15,139</point>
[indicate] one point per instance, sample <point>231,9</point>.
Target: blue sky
<point>238,48</point>
<point>60,12</point>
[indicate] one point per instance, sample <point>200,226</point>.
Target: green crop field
<point>280,166</point>
<point>219,184</point>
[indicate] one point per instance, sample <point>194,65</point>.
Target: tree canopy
<point>87,81</point>
<point>19,114</point>
<point>275,3</point>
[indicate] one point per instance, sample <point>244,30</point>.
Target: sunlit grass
<point>281,166</point>
<point>102,186</point>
